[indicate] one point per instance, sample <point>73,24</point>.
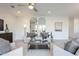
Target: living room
<point>59,20</point>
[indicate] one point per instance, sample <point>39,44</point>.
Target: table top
<point>38,42</point>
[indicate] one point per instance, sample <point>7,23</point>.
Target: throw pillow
<point>71,46</point>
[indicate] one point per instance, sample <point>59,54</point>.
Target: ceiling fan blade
<point>35,9</point>
<point>25,5</point>
<point>22,5</point>
<point>31,4</point>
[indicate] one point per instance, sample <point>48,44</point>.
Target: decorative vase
<point>6,29</point>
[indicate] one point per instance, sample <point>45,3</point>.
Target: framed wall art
<point>58,26</point>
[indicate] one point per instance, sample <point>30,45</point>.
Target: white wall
<point>50,23</point>
<point>8,19</point>
<point>16,25</point>
<point>76,25</point>
<point>19,27</point>
<point>71,27</point>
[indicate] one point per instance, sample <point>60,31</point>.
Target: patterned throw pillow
<point>71,46</point>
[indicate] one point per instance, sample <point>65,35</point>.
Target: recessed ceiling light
<point>24,25</point>
<point>49,12</point>
<point>18,12</point>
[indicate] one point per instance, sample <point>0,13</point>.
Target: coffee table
<point>38,44</point>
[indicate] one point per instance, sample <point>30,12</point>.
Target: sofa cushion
<point>71,46</point>
<point>77,52</point>
<point>4,46</point>
<point>77,40</point>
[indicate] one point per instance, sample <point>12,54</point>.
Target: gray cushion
<point>71,46</point>
<point>4,46</point>
<point>77,52</point>
<point>77,40</point>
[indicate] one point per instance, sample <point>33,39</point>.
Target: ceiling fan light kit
<point>30,7</point>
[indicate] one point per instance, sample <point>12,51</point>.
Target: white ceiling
<point>57,9</point>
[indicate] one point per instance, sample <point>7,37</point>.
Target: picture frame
<point>58,26</point>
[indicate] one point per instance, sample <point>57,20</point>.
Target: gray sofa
<point>4,46</point>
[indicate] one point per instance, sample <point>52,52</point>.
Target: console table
<point>7,36</point>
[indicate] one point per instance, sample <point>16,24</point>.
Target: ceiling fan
<point>29,5</point>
